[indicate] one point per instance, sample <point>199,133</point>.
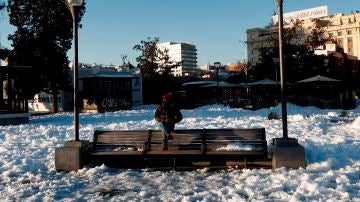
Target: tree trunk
<point>54,103</point>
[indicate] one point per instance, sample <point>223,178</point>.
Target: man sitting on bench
<point>168,115</point>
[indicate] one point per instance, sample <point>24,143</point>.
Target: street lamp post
<point>217,67</point>
<point>281,61</point>
<point>71,156</point>
<point>74,7</point>
<point>287,152</point>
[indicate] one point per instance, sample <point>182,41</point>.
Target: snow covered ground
<point>27,170</point>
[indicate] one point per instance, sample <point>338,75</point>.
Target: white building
<point>184,53</point>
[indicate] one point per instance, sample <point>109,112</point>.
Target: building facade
<point>343,29</point>
<point>13,102</point>
<point>100,90</point>
<point>184,53</point>
<point>105,90</point>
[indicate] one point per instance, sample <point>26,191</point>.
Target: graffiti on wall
<point>108,103</point>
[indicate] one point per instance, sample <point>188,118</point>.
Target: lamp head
<point>75,2</point>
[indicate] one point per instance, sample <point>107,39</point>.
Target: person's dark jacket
<point>168,113</point>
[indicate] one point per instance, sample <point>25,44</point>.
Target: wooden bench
<point>119,142</point>
<point>143,148</point>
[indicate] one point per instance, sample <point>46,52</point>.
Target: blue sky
<point>111,28</point>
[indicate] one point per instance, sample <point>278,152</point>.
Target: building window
<point>349,40</point>
<point>349,32</point>
<point>340,42</point>
<point>350,50</point>
<point>340,33</point>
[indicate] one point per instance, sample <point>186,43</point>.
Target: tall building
<point>344,29</point>
<point>184,53</point>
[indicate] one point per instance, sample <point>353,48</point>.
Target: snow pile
<point>238,146</point>
<point>356,123</point>
<point>27,170</point>
<point>127,149</point>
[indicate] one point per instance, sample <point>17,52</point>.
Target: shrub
<point>273,115</point>
<point>343,114</point>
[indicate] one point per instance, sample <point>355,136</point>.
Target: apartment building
<point>344,29</point>
<point>181,52</point>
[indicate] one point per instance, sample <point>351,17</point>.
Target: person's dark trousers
<point>167,128</point>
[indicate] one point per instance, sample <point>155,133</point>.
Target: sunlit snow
<point>332,143</point>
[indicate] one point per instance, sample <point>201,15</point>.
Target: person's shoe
<point>164,149</point>
<point>170,137</point>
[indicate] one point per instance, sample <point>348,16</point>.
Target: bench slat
<point>240,153</point>
<point>119,145</point>
<point>127,141</point>
<point>175,152</point>
<point>109,137</point>
<point>117,153</point>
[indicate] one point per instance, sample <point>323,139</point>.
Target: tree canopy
<point>154,60</point>
<point>156,67</point>
<point>299,58</point>
<point>42,37</point>
<point>4,53</point>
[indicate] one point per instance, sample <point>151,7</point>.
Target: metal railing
<point>13,106</point>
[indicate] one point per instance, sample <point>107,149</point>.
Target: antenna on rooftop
<point>2,6</point>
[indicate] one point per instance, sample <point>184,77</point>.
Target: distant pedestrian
<point>168,115</point>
